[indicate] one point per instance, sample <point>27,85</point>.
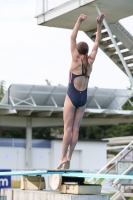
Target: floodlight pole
<point>116,46</point>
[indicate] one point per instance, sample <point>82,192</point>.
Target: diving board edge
<point>72,173</point>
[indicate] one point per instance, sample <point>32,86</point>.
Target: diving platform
<point>67,173</point>
<point>65,15</point>
<point>65,184</point>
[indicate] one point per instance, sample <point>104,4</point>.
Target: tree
<point>2,89</point>
<point>48,82</point>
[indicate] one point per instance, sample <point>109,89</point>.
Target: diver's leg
<point>75,130</point>
<point>68,117</point>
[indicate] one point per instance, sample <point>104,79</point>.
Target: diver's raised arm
<point>77,25</point>
<point>73,37</point>
<point>98,38</point>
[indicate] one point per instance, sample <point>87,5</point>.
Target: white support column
<point>28,151</point>
<point>46,5</point>
<point>116,46</point>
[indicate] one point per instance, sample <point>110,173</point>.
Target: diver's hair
<point>83,48</point>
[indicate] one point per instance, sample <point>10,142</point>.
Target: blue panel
<point>20,143</point>
<point>5,181</point>
<point>6,142</point>
<point>41,143</point>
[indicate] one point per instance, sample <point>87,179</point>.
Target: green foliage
<point>100,132</point>
<point>127,105</point>
<point>111,195</point>
<point>60,84</point>
<point>48,82</point>
<point>85,133</point>
<point>86,182</point>
<point>42,133</point>
<point>2,89</point>
<point>38,133</point>
<point>100,181</point>
<point>14,133</point>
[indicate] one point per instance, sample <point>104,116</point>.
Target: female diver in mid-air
<point>76,98</point>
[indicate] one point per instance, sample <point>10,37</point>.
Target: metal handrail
<point>114,160</point>
<point>116,182</point>
<point>115,164</point>
<point>128,170</point>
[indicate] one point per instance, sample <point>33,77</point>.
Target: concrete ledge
<point>17,194</point>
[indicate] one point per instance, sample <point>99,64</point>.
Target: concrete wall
<point>13,194</point>
<point>41,158</point>
<point>90,156</point>
<point>12,158</point>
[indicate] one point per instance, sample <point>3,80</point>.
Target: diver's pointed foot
<point>59,167</point>
<point>66,165</point>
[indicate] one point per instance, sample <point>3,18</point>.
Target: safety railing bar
<point>125,172</point>
<point>114,159</point>
<point>113,165</point>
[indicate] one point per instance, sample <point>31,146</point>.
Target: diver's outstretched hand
<point>100,18</point>
<point>82,17</point>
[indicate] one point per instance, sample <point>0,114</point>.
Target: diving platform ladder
<point>117,44</point>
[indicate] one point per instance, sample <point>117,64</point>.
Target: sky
<point>30,54</point>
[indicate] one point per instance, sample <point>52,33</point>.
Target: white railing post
<point>46,5</point>
<point>43,6</point>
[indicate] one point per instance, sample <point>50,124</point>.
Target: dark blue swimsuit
<point>78,98</point>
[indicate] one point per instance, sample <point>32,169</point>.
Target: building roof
<point>104,106</point>
<point>47,97</point>
<point>118,142</point>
